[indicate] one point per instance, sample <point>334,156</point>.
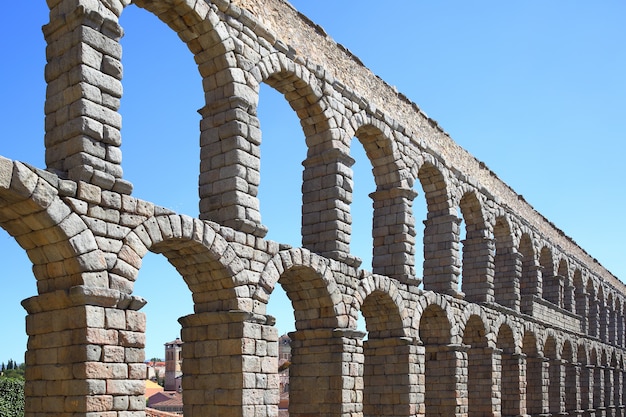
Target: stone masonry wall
<point>536,327</point>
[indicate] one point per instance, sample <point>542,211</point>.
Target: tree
<point>11,397</point>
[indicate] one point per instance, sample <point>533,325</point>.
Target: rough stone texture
<point>537,327</point>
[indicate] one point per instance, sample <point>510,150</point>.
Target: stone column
<point>609,403</point>
<point>85,353</point>
<point>568,297</point>
<point>230,365</point>
<point>573,389</point>
<point>513,384</point>
<point>598,391</point>
<point>594,318</point>
<point>446,380</point>
<point>506,278</point>
<point>390,377</point>
<point>326,198</point>
<point>556,386</point>
<point>484,381</point>
<point>582,309</point>
<point>537,379</point>
<point>478,268</point>
<point>394,234</point>
<point>587,390</point>
<point>442,264</point>
<point>230,162</point>
<point>84,88</point>
<point>326,373</point>
<point>531,288</point>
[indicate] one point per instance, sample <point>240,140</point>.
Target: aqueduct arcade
<point>507,317</point>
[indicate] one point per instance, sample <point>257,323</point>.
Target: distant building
<point>168,401</point>
<point>173,365</point>
<point>152,388</point>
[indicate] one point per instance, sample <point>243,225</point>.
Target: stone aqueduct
<point>536,329</point>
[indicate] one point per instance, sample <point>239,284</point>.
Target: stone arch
<point>86,146</point>
<point>479,367</point>
<point>534,373</point>
<point>619,311</point>
<point>570,384</point>
<point>597,378</point>
<point>308,280</point>
<point>602,313</point>
<point>511,370</point>
<point>529,279</point>
<point>440,362</point>
<point>586,376</point>
<point>566,287</point>
<point>611,319</point>
<point>478,251</point>
<point>383,307</point>
<point>393,222</point>
<point>551,352</point>
<point>64,252</point>
<point>581,300</point>
<point>441,262</point>
<point>388,363</point>
<point>506,281</point>
<point>550,288</point>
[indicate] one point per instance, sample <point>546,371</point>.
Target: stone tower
<point>173,365</point>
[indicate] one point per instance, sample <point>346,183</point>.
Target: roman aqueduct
<point>537,327</point>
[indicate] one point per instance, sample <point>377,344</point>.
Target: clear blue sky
<point>534,89</point>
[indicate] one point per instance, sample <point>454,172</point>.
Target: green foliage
<point>11,397</point>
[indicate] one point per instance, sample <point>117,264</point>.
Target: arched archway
<point>441,363</point>
<point>480,365</point>
<point>441,262</point>
<point>389,366</point>
<point>478,253</point>
<point>506,280</point>
<point>550,351</point>
<point>511,389</point>
<point>534,375</point>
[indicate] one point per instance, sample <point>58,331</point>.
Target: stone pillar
<point>618,391</point>
<point>513,384</point>
<point>587,390</point>
<point>230,161</point>
<point>394,234</point>
<point>573,389</point>
<point>230,365</point>
<point>556,386</point>
<point>84,88</point>
<point>483,381</point>
<point>531,288</point>
<point>326,198</point>
<point>390,377</point>
<point>582,309</point>
<point>446,380</point>
<point>506,278</point>
<point>608,391</point>
<point>442,264</point>
<point>603,322</point>
<point>326,373</point>
<point>537,379</point>
<point>478,268</point>
<point>598,391</point>
<point>594,318</point>
<point>85,353</point>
